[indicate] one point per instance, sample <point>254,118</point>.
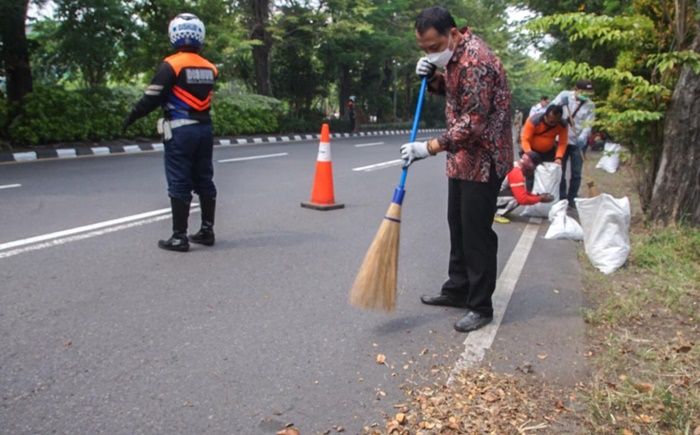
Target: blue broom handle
<point>414,129</point>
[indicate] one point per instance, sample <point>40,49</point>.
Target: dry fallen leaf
<point>696,431</point>
<point>627,432</point>
<point>542,355</point>
<point>644,418</point>
<point>289,431</point>
<point>381,359</point>
<point>400,417</point>
<point>643,387</point>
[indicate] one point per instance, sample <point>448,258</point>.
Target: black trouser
<point>548,156</point>
<point>188,162</point>
<point>471,207</point>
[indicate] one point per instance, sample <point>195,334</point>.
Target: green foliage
<point>245,114</point>
<point>620,30</point>
<point>92,36</point>
<point>669,61</point>
<point>58,115</point>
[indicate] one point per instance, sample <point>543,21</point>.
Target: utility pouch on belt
<point>164,129</point>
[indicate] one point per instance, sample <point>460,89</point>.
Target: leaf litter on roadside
<point>477,401</point>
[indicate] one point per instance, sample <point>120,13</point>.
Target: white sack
<point>563,226</point>
<point>547,179</point>
<point>611,158</point>
<point>606,223</point>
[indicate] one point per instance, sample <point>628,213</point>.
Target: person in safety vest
<point>514,191</point>
<point>547,134</point>
<point>183,86</point>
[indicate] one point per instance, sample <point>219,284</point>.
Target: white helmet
<point>186,30</point>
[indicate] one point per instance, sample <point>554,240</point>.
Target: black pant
<point>546,157</point>
<point>472,271</point>
<point>188,162</point>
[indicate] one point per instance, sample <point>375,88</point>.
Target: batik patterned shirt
<point>477,111</point>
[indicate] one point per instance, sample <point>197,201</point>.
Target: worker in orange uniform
<point>540,134</point>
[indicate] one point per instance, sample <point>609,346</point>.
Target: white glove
<point>412,151</point>
<point>424,68</point>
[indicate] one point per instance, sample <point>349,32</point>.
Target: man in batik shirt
<point>478,142</point>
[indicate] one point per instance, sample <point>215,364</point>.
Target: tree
<point>651,46</point>
<point>676,192</point>
<point>296,71</point>
<point>15,51</point>
<point>92,36</point>
<point>258,16</point>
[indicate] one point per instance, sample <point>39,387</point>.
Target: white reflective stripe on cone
<point>324,152</point>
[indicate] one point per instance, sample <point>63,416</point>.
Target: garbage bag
<point>606,223</point>
<point>547,179</point>
<point>610,160</point>
<point>563,226</point>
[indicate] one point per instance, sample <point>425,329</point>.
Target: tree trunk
<point>259,17</point>
<point>676,193</point>
<point>344,90</point>
<point>15,53</point>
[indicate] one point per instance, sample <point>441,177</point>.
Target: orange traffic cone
<point>322,197</point>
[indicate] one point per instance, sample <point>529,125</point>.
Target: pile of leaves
<point>476,401</point>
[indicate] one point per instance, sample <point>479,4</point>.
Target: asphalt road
<point>101,332</point>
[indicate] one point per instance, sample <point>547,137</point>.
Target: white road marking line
<point>241,159</point>
<point>83,229</point>
<point>478,342</point>
<point>378,166</point>
<point>10,186</point>
<point>88,231</point>
<point>371,144</point>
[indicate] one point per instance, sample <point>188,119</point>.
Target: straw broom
<point>375,283</point>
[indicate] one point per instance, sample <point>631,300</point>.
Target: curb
<point>72,153</point>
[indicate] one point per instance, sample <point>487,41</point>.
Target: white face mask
<point>441,58</point>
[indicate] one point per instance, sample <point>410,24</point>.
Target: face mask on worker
<point>441,58</point>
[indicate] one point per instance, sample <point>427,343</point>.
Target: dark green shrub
<point>59,115</point>
<point>245,114</point>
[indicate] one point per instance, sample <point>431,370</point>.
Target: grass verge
<point>643,328</point>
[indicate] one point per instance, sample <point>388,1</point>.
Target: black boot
<point>178,241</point>
<point>205,236</point>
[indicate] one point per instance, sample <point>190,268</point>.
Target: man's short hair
<point>544,97</point>
<point>555,109</point>
<point>535,157</point>
<point>437,18</point>
<point>584,85</point>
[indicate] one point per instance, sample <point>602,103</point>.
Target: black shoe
<point>178,242</point>
<point>472,321</point>
<point>203,237</point>
<point>442,300</point>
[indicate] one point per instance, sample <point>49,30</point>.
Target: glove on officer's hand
<point>412,151</point>
<point>424,68</point>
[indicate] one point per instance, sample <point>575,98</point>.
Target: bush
<point>59,115</point>
<point>245,114</point>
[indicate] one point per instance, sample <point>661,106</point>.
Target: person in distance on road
<point>479,147</point>
<point>183,86</point>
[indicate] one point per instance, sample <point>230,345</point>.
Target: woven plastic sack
<point>547,180</point>
<point>563,226</point>
<point>606,224</point>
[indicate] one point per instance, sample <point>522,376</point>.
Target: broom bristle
<point>375,284</point>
